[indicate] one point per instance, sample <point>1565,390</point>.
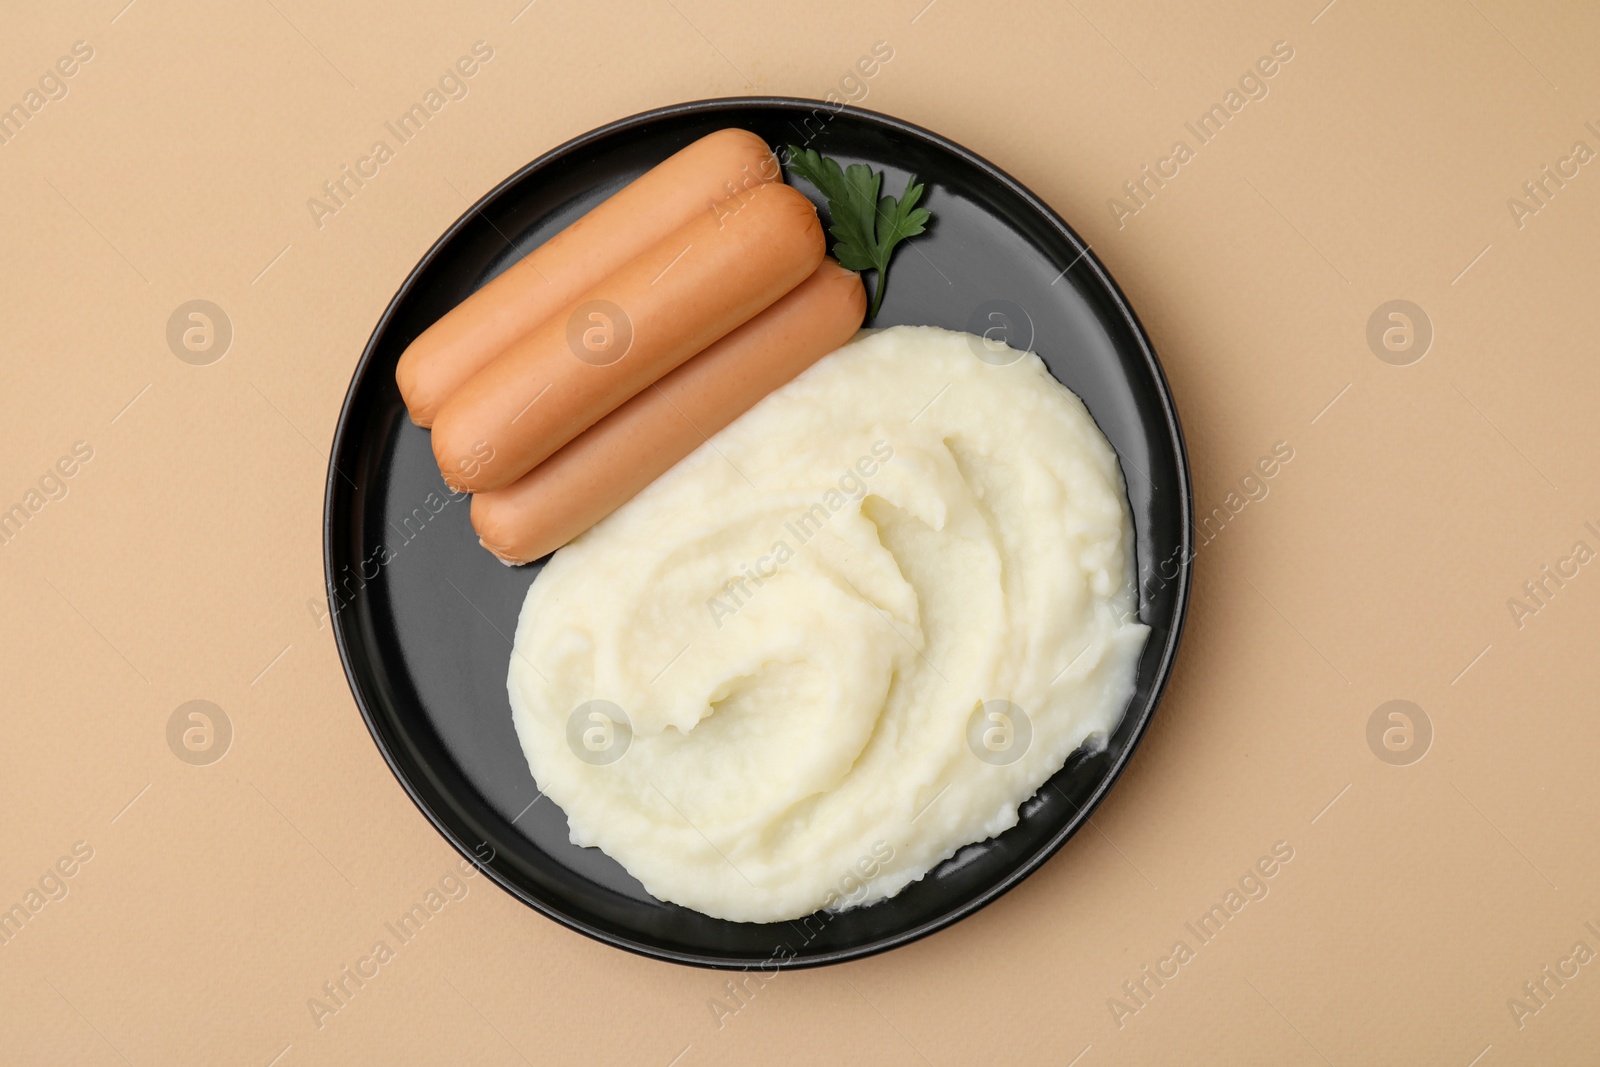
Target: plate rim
<point>344,428</point>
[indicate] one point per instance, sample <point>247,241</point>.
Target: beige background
<point>185,563</point>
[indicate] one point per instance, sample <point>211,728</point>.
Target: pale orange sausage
<point>710,176</point>
<point>605,466</point>
<point>711,276</point>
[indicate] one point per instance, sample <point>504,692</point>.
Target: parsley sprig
<point>865,228</point>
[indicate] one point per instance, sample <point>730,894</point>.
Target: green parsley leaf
<point>865,228</point>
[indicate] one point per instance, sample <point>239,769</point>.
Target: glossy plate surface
<point>423,617</point>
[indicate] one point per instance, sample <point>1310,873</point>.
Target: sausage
<point>709,176</point>
<point>714,274</point>
<point>605,466</point>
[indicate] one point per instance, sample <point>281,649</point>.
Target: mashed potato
<point>847,636</point>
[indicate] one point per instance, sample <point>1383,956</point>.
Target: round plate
<point>424,617</point>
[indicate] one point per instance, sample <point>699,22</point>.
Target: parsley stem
<point>877,295</point>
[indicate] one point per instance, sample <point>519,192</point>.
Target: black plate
<point>423,616</point>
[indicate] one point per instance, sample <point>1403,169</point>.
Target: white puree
<point>800,690</point>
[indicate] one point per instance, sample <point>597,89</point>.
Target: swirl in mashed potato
<point>851,633</point>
